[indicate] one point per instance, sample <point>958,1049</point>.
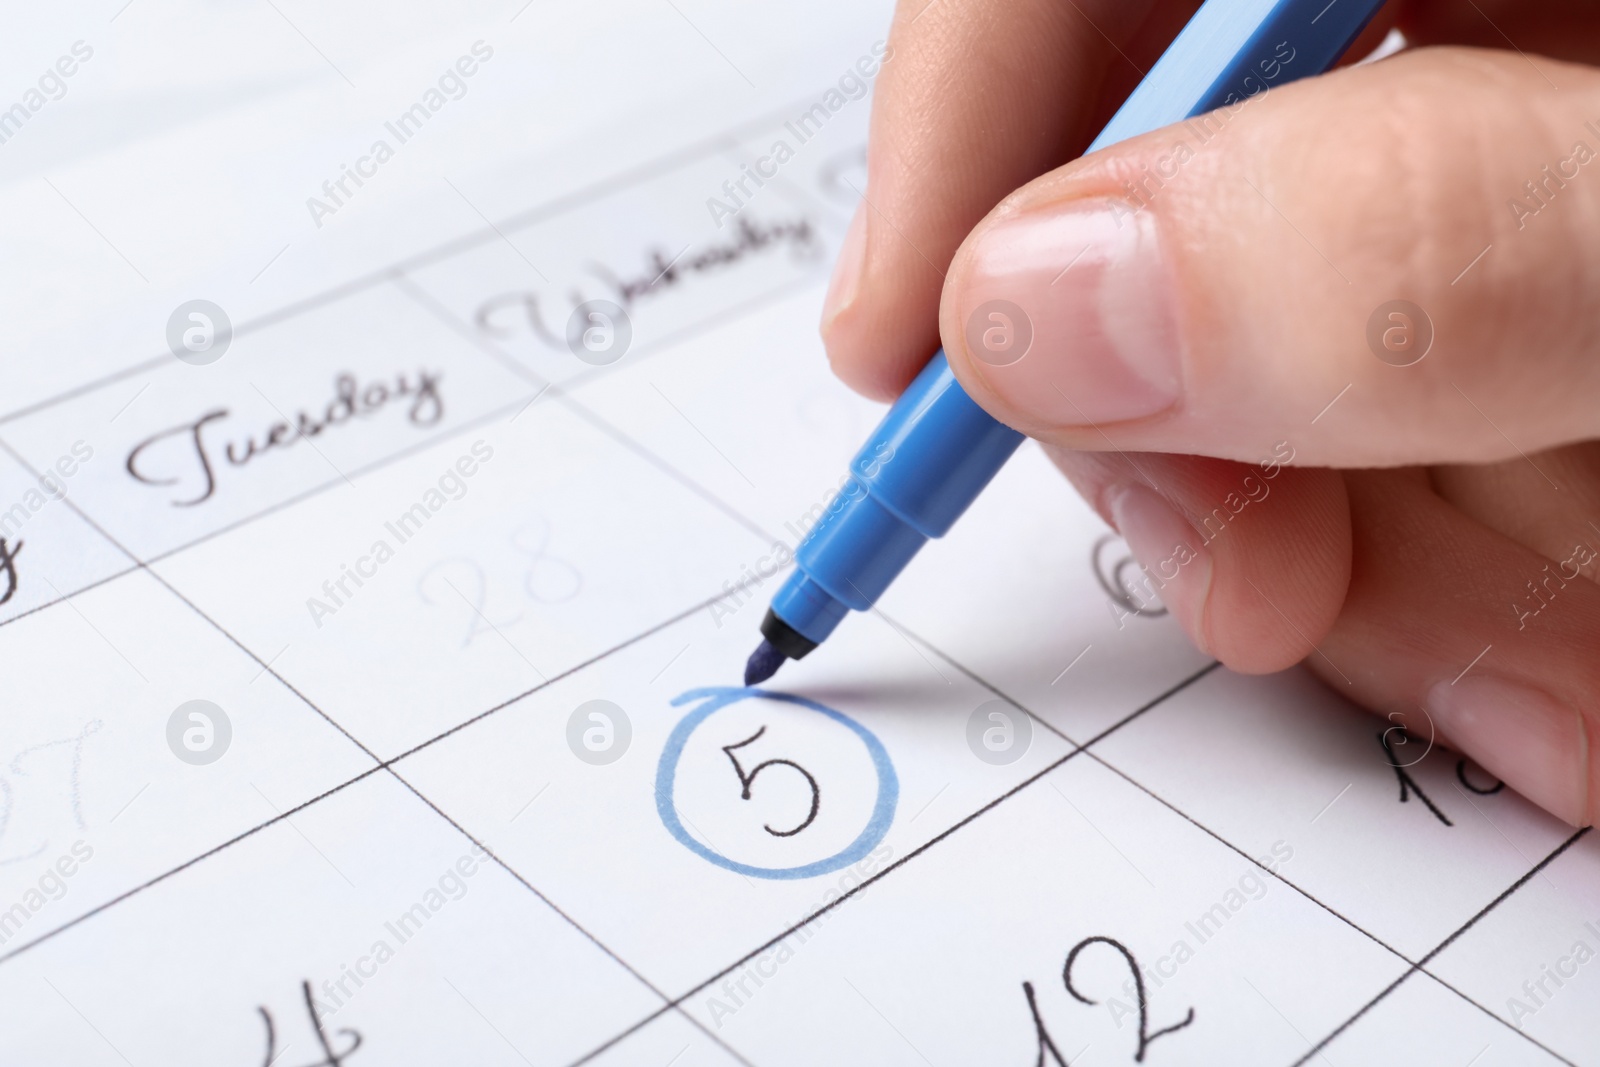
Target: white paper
<point>472,781</point>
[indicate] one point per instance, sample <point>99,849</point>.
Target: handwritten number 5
<point>746,781</point>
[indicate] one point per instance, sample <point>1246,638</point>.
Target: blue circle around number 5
<point>717,698</point>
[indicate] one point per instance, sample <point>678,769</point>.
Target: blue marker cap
<point>936,449</point>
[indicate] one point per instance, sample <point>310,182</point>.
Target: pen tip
<point>762,664</point>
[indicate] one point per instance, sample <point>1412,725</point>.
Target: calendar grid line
<point>379,765</point>
<point>673,1004</point>
<point>562,391</point>
<point>493,351</point>
<point>565,394</point>
<point>52,602</point>
<point>406,452</point>
<point>146,568</point>
<point>554,207</point>
<point>553,906</point>
<point>569,672</point>
<point>272,509</point>
<point>562,395</point>
<point>897,864</point>
<point>1197,824</point>
<point>85,388</point>
<point>408,287</point>
<point>1419,965</point>
<point>635,355</point>
<point>559,393</point>
<point>387,765</point>
<point>154,880</point>
<point>1036,717</point>
<point>600,423</point>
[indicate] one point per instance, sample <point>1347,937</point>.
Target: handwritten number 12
<point>1047,1045</point>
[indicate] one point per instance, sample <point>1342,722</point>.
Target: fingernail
<point>1170,552</point>
<point>1070,315</point>
<point>1528,739</point>
<point>846,269</point>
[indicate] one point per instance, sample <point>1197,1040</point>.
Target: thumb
<point>1391,264</point>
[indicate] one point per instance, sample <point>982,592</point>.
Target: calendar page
<point>408,415</point>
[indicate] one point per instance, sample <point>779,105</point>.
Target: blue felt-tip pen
<point>936,449</point>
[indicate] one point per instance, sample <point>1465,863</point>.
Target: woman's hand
<point>1389,274</point>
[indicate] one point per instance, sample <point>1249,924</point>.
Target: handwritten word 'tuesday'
<point>187,456</point>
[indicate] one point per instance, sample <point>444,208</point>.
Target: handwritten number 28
<point>546,579</point>
<point>747,780</point>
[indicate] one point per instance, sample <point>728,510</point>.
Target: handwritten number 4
<point>746,781</point>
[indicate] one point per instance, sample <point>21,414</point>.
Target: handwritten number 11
<point>331,1057</point>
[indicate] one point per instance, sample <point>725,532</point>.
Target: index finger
<point>975,99</point>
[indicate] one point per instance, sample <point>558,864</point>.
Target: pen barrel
<point>929,458</point>
<point>933,452</point>
<point>1232,51</point>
